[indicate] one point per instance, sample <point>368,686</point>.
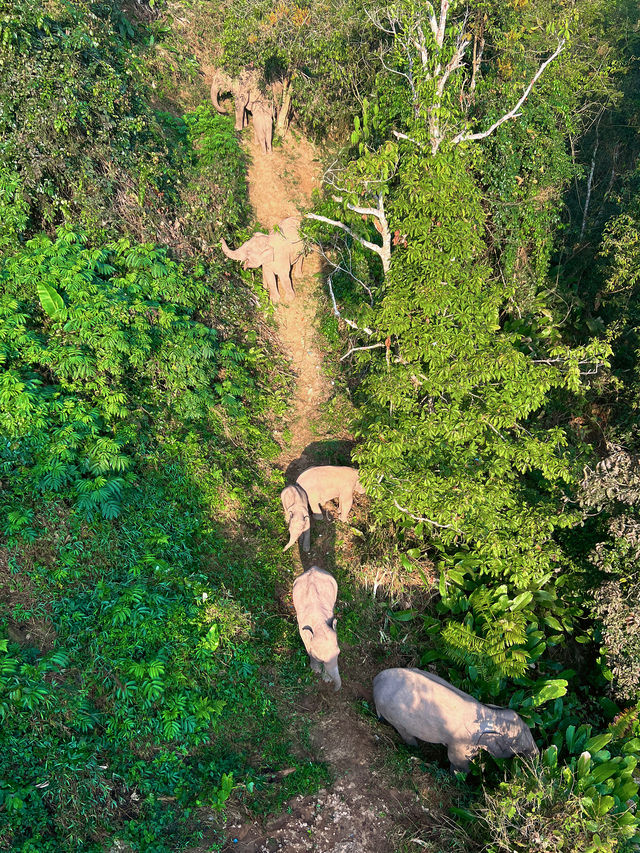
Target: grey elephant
<point>328,482</point>
<point>277,253</point>
<point>421,705</point>
<point>296,512</point>
<point>245,90</point>
<point>314,596</point>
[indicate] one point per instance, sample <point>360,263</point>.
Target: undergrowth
<point>143,658</point>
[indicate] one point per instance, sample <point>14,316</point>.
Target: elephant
<point>277,253</point>
<point>421,705</point>
<point>296,512</point>
<point>262,112</point>
<point>314,595</point>
<point>327,482</point>
<point>245,90</point>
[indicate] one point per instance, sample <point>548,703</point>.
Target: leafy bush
<point>588,803</point>
<point>96,342</point>
<point>79,141</point>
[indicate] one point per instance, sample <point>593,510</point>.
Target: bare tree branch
<point>513,113</point>
<point>422,518</point>
<point>366,243</point>
<point>590,180</point>
<point>382,226</point>
<point>355,349</point>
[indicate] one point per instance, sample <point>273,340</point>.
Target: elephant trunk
<point>221,83</point>
<point>331,669</point>
<point>293,538</point>
<point>215,94</point>
<point>234,254</point>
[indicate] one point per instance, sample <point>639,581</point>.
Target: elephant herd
<point>418,704</point>
<point>248,97</point>
<point>279,252</point>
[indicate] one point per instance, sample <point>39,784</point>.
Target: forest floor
<point>380,798</point>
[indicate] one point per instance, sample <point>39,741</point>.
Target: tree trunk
<point>284,109</point>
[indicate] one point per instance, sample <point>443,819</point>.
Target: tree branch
<point>384,251</point>
<point>422,518</point>
<point>355,349</point>
<point>366,243</point>
<point>513,113</point>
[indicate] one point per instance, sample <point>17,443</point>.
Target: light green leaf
<point>51,301</point>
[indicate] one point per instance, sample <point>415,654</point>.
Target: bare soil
<point>280,185</point>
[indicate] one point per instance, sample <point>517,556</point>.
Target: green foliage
<point>218,183</point>
<point>96,342</point>
<point>79,143</point>
<point>497,631</point>
<point>587,803</point>
<point>466,375</point>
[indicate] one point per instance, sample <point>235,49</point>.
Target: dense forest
<point>477,229</point>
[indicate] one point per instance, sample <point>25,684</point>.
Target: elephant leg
<point>286,285</point>
<point>306,541</point>
<point>240,113</point>
<point>459,755</point>
<point>346,502</point>
<point>406,737</point>
<point>269,281</point>
<point>316,511</point>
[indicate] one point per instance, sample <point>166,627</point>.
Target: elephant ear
<point>496,744</point>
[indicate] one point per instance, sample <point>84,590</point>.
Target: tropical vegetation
<point>480,225</point>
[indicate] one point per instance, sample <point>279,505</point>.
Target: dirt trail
<point>362,811</point>
<point>280,185</point>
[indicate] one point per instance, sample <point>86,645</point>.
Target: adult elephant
<point>245,90</point>
<point>277,253</point>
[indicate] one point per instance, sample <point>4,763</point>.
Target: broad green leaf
<point>552,689</point>
<point>605,771</point>
<point>51,301</point>
<point>403,615</point>
<point>584,764</point>
<point>521,600</point>
<point>595,744</point>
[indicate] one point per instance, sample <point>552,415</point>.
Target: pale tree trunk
<point>284,109</point>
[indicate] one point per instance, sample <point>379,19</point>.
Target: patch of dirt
<point>280,185</point>
<point>18,603</point>
<point>361,812</point>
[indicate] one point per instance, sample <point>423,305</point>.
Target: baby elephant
<point>421,705</point>
<point>327,482</point>
<point>314,594</point>
<point>296,512</point>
